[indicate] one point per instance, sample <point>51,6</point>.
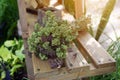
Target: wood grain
<point>94,50</point>
<point>75,61</point>
<point>91,58</point>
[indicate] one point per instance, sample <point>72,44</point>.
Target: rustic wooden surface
<point>75,61</point>
<point>78,70</point>
<point>94,50</point>
<point>43,71</point>
<point>91,58</point>
<point>24,28</point>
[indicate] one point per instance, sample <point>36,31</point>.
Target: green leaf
<point>60,54</point>
<point>58,50</point>
<point>3,75</point>
<point>46,45</point>
<point>14,68</point>
<point>5,53</point>
<point>15,60</point>
<point>64,47</point>
<point>43,57</point>
<point>19,53</point>
<point>55,42</point>
<point>9,43</point>
<point>24,78</point>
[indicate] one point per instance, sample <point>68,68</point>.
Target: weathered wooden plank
<point>94,50</point>
<point>24,28</point>
<point>66,75</point>
<point>31,20</point>
<point>74,60</point>
<point>28,59</point>
<point>23,18</point>
<point>42,68</point>
<point>78,8</point>
<point>45,71</point>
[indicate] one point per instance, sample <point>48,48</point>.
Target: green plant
<point>53,38</point>
<point>114,50</point>
<point>12,57</point>
<point>8,19</point>
<point>105,17</point>
<point>3,70</point>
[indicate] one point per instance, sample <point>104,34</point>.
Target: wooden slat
<point>42,68</point>
<point>78,8</point>
<point>31,19</point>
<point>66,75</point>
<point>23,18</point>
<point>24,28</point>
<point>94,50</point>
<point>97,71</point>
<point>74,60</point>
<point>28,59</point>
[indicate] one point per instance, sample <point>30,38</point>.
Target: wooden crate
<point>91,57</point>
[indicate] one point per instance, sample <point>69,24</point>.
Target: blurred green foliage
<point>8,19</point>
<point>12,57</point>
